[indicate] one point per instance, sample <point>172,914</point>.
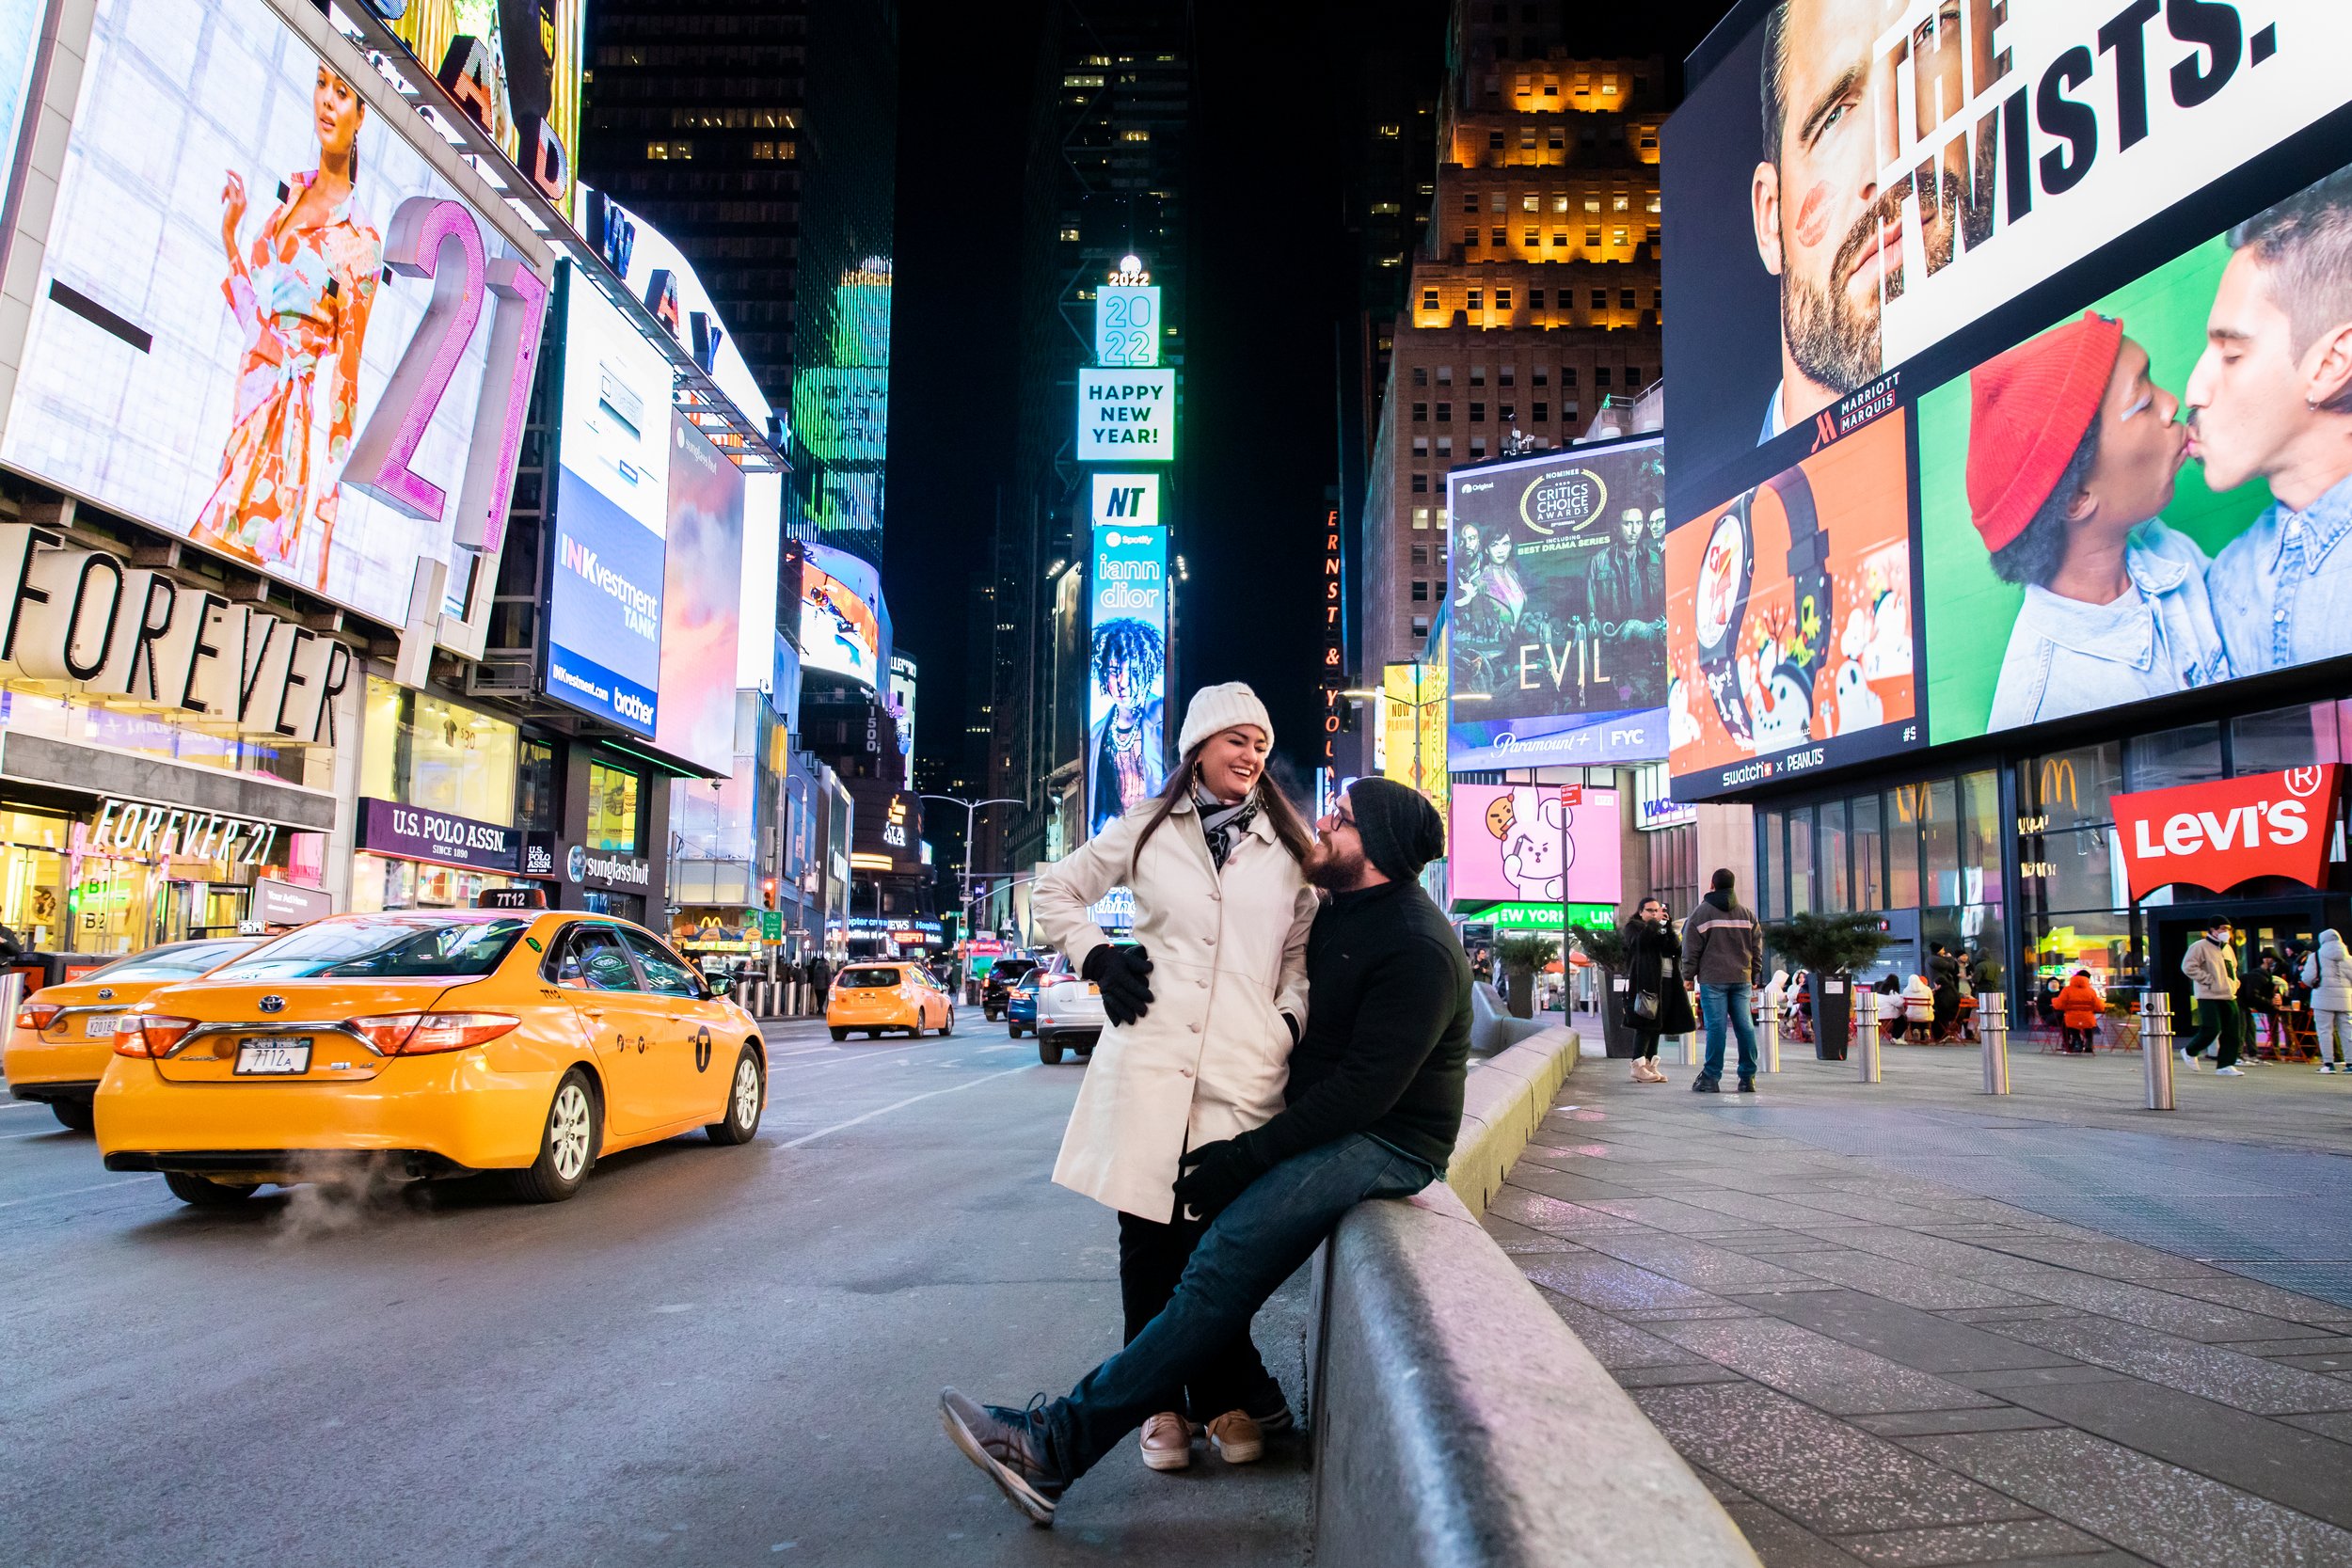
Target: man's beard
<point>1835,342</point>
<point>1335,870</point>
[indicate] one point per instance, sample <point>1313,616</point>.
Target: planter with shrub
<point>1828,947</point>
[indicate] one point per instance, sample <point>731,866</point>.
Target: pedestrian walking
<point>1204,1007</point>
<point>2080,1006</point>
<point>2328,971</point>
<point>1724,950</point>
<point>2210,967</point>
<point>1373,1107</point>
<point>1655,1001</point>
<point>819,976</point>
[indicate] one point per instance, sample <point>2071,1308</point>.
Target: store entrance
<point>2259,926</point>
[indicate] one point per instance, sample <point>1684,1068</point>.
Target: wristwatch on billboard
<point>1727,573</point>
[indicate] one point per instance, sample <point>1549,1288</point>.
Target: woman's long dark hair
<point>1289,827</point>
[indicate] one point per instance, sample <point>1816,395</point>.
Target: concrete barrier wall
<point>1457,1422</point>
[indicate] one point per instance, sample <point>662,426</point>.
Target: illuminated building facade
<point>1532,303</point>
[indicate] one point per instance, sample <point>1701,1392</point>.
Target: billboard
<point>1525,842</point>
<point>263,323</point>
<point>658,274</point>
<point>1856,181</point>
<point>514,67</point>
<point>1788,623</point>
<point>1127,325</point>
<point>1556,600</point>
<point>841,620</point>
<point>1127,670</point>
<point>700,603</point>
<point>1412,724</point>
<point>902,682</point>
<point>605,593</point>
<point>1126,416</point>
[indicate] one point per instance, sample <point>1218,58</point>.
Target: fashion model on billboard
<point>301,289</point>
<point>1824,225</point>
<point>2072,453</point>
<point>1125,750</point>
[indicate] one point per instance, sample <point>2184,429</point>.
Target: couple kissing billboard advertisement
<point>1556,582</point>
<point>263,321</point>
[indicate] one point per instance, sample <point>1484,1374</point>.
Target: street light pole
<point>971,816</point>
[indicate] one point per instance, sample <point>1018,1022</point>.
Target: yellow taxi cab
<point>879,996</point>
<point>64,1035</point>
<point>428,1043</point>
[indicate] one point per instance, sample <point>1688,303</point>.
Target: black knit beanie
<point>1399,827</point>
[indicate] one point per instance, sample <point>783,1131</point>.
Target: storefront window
<point>425,749</point>
<point>1939,837</point>
<point>536,808</point>
<point>1904,803</point>
<point>1980,837</point>
<point>1836,886</point>
<point>81,723</point>
<point>2100,941</point>
<point>1771,892</point>
<point>1869,854</point>
<point>2073,788</point>
<point>384,882</point>
<point>2078,870</point>
<point>60,892</point>
<point>2191,755</point>
<point>1801,861</point>
<point>612,809</point>
<point>2282,739</point>
<point>621,906</point>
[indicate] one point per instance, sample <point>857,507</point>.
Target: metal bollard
<point>1771,1042</point>
<point>1868,1068</point>
<point>1993,1040</point>
<point>2156,1048</point>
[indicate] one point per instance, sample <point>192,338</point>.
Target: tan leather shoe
<point>1167,1441</point>
<point>1236,1438</point>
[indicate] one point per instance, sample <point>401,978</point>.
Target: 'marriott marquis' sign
<point>388,827</point>
<point>1126,416</point>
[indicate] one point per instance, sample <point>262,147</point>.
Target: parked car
<point>64,1035</point>
<point>1069,1016</point>
<point>879,996</point>
<point>1021,1001</point>
<point>996,991</point>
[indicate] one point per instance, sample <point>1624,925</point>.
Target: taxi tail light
<point>423,1034</point>
<point>36,1016</point>
<point>152,1035</point>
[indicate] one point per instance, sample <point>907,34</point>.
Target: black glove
<point>1216,1173</point>
<point>1119,974</point>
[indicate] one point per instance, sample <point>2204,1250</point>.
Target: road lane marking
<point>69,1192</point>
<point>844,1126</point>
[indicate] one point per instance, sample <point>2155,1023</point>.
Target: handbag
<point>1645,1005</point>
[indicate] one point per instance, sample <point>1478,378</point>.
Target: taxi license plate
<point>284,1057</point>
<point>104,1026</point>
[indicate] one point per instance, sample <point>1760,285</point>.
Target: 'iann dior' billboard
<point>1127,652</point>
<point>2092,263</point>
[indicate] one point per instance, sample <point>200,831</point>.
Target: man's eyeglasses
<point>1340,819</point>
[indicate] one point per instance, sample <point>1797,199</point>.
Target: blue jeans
<point>1255,1245</point>
<point>1715,1002</point>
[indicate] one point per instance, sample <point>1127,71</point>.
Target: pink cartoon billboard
<point>1523,843</point>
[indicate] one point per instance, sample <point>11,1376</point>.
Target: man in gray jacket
<point>1723,947</point>
<point>2210,967</point>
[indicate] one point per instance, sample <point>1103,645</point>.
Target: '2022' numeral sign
<point>439,239</point>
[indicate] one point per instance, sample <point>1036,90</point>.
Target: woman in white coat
<point>2329,973</point>
<point>1205,1009</point>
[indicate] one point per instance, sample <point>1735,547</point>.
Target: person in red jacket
<point>2080,1006</point>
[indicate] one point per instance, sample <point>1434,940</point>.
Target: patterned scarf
<point>1222,824</point>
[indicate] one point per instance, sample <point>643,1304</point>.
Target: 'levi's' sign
<point>2220,834</point>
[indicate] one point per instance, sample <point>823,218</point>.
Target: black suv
<point>1001,976</point>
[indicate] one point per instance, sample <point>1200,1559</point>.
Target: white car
<point>1069,1015</point>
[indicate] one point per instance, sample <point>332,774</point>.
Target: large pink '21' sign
<point>436,238</point>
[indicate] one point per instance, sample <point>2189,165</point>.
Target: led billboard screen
<point>841,626</point>
<point>1557,608</point>
<point>1524,842</point>
<point>261,320</point>
<point>1128,671</point>
<point>612,516</point>
<point>1127,325</point>
<point>1857,181</point>
<point>1126,416</point>
<point>700,605</point>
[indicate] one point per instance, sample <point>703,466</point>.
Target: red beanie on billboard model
<point>2029,411</point>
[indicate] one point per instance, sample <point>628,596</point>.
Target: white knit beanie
<point>1220,708</point>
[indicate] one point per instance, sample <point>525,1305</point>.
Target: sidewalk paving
<point>1906,1324</point>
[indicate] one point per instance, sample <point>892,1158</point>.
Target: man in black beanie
<point>1372,1109</point>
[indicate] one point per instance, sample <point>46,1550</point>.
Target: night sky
<point>1272,281</point>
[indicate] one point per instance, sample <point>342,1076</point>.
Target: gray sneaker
<point>1007,1446</point>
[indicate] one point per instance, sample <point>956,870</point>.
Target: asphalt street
<point>710,1355</point>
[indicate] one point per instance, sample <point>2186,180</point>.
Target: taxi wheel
<point>840,1034</point>
<point>568,1147</point>
<point>1049,1052</point>
<point>79,1115</point>
<point>202,1192</point>
<point>949,1028</point>
<point>746,1099</point>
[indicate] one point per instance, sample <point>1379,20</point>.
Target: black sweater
<point>1388,1030</point>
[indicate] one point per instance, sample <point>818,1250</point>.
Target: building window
<point>1494,141</point>
<point>612,809</point>
<point>1619,237</point>
<point>1535,299</point>
<point>1469,240</point>
<point>1568,375</point>
<point>1478,299</point>
<point>1421,413</point>
<point>1478,446</point>
<point>1445,376</point>
<point>1420,445</point>
<point>1503,299</point>
<point>537,807</point>
<point>1421,484</point>
<point>1421,520</point>
<point>1543,413</point>
<point>1428,302</point>
<point>1508,414</point>
<point>1421,627</point>
<point>1600,299</point>
<point>774,152</point>
<point>1421,590</point>
<point>1498,236</point>
<point>1470,202</point>
<point>1633,375</point>
<point>1504,376</point>
<point>423,749</point>
<point>1498,202</point>
<point>1625,299</point>
<point>1445,446</point>
<point>1543,376</point>
<point>1445,413</point>
<point>1556,140</point>
<point>1527,139</point>
<point>1531,202</point>
<point>666,150</point>
<point>1421,372</point>
<point>1591,237</point>
<point>1559,239</point>
<point>1533,239</point>
<point>1600,375</point>
<point>1478,413</point>
<point>1478,376</point>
